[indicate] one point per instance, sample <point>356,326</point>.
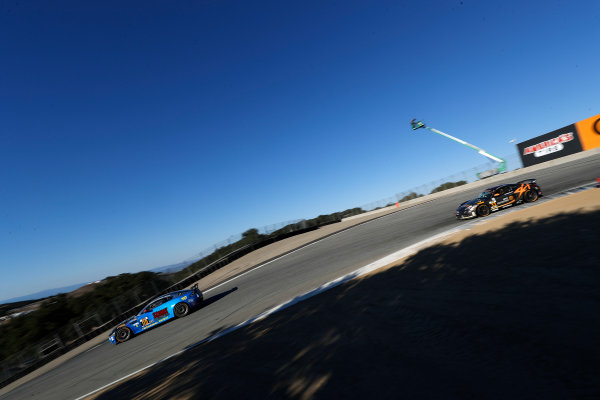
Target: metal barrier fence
<point>127,305</point>
<point>266,230</point>
<point>513,162</point>
<point>33,357</point>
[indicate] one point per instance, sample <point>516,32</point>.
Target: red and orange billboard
<point>571,139</point>
<point>589,132</point>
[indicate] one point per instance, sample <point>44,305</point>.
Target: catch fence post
<point>117,307</point>
<point>5,370</point>
<point>77,329</point>
<point>58,341</point>
<point>154,286</point>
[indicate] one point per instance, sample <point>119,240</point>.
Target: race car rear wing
<point>195,289</point>
<point>531,180</point>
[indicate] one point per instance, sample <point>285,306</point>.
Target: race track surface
<point>275,283</point>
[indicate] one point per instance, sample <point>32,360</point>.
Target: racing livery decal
<point>157,311</point>
<point>498,197</point>
<point>521,190</point>
<point>160,313</point>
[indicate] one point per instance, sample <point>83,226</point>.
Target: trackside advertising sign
<point>589,132</point>
<point>561,142</point>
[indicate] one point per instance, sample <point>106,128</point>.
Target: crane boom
<point>502,163</point>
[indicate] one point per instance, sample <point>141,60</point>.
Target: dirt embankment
<point>507,310</point>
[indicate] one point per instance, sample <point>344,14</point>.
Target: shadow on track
<point>507,314</point>
<point>212,299</point>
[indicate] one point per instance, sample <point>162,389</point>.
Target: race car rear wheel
<point>483,210</point>
<point>123,334</point>
<point>531,196</point>
<point>181,310</point>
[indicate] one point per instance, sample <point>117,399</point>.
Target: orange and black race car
<point>498,197</point>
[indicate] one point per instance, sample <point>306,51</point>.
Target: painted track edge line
<point>382,262</point>
<point>305,245</point>
<point>326,286</point>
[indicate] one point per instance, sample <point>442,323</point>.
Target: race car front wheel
<point>123,334</point>
<point>531,196</point>
<point>483,210</point>
<point>181,310</point>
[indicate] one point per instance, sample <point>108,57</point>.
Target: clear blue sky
<point>136,134</point>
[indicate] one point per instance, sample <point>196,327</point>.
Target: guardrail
<point>54,348</point>
<point>505,177</point>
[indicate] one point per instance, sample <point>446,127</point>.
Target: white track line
<point>285,255</point>
<point>398,255</point>
<point>472,222</point>
<point>331,284</point>
<point>98,345</point>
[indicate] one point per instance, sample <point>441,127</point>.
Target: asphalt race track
<point>275,283</point>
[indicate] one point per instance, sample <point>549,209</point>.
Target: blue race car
<point>158,310</point>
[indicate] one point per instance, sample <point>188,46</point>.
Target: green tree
<point>410,196</point>
<point>448,185</point>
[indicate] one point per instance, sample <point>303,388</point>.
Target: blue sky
<point>136,134</point>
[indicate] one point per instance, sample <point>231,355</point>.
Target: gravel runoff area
<point>508,309</point>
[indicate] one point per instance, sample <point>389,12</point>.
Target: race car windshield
<point>484,195</point>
